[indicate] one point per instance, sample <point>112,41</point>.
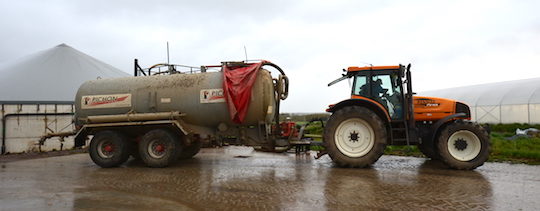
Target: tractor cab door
<point>385,87</point>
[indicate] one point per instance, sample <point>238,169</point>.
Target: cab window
<point>360,86</point>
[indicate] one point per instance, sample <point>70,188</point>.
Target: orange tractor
<point>383,111</point>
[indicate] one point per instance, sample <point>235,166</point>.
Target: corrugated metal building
<point>503,102</point>
<point>37,94</point>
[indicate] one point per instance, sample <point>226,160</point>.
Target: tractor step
<point>399,133</point>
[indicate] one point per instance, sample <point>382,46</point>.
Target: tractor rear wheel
<point>159,148</point>
<point>355,137</point>
<point>109,149</point>
<point>463,145</point>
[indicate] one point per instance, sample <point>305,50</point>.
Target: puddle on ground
<point>217,179</point>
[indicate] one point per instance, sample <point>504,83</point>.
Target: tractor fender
<point>435,127</point>
<point>368,103</point>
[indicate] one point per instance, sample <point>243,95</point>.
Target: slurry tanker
<point>165,115</point>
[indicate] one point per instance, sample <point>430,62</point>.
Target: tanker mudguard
<point>91,129</point>
<point>360,102</point>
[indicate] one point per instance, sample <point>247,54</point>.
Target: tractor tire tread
<point>120,143</point>
<point>478,130</point>
<point>376,123</point>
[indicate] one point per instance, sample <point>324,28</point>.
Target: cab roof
<point>355,69</point>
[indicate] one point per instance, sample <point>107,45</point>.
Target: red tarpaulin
<point>237,84</point>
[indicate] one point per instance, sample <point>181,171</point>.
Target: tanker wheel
<point>463,145</point>
<point>159,148</point>
<point>191,150</point>
<point>109,149</point>
<point>355,137</point>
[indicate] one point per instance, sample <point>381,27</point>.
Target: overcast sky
<point>449,43</point>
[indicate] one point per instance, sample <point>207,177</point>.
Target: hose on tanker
<point>283,87</point>
<point>274,66</point>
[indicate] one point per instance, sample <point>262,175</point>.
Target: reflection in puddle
<point>427,186</point>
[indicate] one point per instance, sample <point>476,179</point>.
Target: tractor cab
<point>382,87</point>
<point>381,84</point>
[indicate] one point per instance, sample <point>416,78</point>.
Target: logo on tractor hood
<point>106,101</point>
<point>426,102</point>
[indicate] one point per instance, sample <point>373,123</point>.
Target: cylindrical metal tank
<point>199,96</point>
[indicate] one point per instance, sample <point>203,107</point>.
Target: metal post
<point>500,113</point>
<point>529,113</point>
<point>245,52</point>
<point>135,68</point>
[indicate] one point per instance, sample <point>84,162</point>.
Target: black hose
<point>274,66</point>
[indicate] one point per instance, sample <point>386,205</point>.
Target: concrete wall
<point>23,124</point>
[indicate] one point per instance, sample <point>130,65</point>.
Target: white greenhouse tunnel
<point>502,102</point>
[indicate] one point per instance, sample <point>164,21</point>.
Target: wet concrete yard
<point>235,178</point>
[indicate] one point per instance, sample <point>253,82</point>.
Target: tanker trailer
<point>165,117</point>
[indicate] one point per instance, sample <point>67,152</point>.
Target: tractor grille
<point>462,108</point>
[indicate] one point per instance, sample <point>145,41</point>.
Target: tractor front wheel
<point>463,145</point>
<point>355,137</point>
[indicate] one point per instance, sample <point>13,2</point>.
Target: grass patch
<point>314,128</point>
<point>520,150</point>
<point>403,151</point>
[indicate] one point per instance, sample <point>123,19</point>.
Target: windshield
<point>383,88</point>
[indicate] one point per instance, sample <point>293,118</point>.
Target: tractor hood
<point>434,108</point>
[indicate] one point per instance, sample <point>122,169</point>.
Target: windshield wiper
<point>338,80</point>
